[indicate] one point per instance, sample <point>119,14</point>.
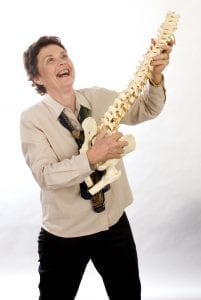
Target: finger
<point>117,135</point>
<point>162,56</point>
<point>172,43</point>
<point>160,60</point>
<point>163,62</point>
<point>120,150</point>
<point>172,40</point>
<point>167,46</point>
<point>122,143</point>
<point>166,49</point>
<point>102,133</point>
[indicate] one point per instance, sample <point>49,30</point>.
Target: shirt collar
<point>57,107</point>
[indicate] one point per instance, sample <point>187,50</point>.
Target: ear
<point>37,80</point>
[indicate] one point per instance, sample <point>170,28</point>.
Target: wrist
<point>156,81</point>
<point>91,158</point>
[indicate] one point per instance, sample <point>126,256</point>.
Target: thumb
<point>102,133</point>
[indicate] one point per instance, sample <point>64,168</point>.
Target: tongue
<point>61,75</point>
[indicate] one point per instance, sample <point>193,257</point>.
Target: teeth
<point>63,72</point>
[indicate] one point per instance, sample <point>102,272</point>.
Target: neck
<point>66,98</point>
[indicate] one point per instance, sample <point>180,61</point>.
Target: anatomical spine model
<point>122,104</point>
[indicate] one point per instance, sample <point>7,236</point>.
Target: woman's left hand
<point>160,61</point>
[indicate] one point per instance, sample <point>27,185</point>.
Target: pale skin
<point>54,61</point>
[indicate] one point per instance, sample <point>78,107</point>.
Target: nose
<point>61,61</point>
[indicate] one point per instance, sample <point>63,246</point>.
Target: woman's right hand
<point>106,146</point>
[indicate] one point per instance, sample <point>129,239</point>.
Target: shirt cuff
<point>84,163</point>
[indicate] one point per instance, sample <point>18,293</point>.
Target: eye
<point>64,56</point>
<point>50,59</point>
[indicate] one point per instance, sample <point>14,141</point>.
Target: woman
<point>73,229</point>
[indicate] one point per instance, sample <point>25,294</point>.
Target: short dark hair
<point>31,61</point>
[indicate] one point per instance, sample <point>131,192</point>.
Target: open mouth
<point>63,73</point>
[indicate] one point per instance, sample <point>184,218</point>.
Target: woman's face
<point>56,70</point>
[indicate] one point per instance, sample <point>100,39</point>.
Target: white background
<point>106,39</point>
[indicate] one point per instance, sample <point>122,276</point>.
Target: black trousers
<point>113,253</point>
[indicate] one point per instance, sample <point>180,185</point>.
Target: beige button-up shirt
<point>53,157</point>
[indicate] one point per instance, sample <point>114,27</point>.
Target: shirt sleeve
<point>148,106</point>
<point>47,169</point>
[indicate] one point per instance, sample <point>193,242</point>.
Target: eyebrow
<point>49,55</point>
